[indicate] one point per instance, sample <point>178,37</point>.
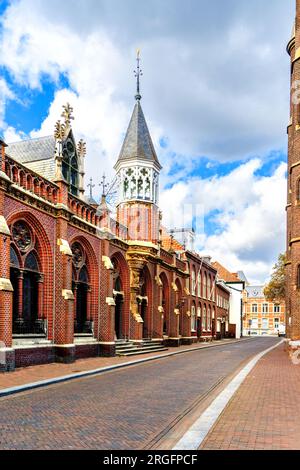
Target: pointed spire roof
<point>138,143</point>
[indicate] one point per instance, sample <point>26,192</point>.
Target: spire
<point>138,143</point>
<point>138,73</point>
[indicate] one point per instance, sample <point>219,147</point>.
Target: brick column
<point>7,355</point>
<point>106,324</point>
<point>174,317</point>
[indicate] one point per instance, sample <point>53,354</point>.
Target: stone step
<point>139,351</point>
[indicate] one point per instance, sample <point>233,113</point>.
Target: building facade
<point>235,283</point>
<point>74,281</point>
<point>222,309</point>
<point>293,190</point>
<point>260,316</point>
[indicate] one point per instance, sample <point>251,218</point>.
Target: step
<point>142,351</point>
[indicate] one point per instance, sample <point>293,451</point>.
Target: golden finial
<point>67,114</point>
<point>59,131</point>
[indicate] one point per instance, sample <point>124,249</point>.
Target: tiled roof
<point>138,142</point>
<point>168,243</point>
<point>224,274</point>
<point>28,151</point>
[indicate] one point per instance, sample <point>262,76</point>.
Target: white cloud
<point>251,221</point>
<point>5,95</point>
<point>216,83</point>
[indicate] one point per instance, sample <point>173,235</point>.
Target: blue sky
<point>217,115</point>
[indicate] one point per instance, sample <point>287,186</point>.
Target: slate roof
<point>138,142</point>
<point>27,151</point>
<point>255,292</point>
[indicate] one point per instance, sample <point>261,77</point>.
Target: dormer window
<point>70,165</point>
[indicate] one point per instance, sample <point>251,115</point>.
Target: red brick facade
<point>293,197</point>
<point>72,280</point>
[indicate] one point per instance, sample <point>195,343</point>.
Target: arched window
<point>193,319</point>
<point>205,286</point>
<point>204,319</point>
<point>81,288</point>
<point>193,281</point>
<point>209,318</point>
<point>209,287</point>
<point>199,284</point>
<point>26,279</point>
<point>70,165</point>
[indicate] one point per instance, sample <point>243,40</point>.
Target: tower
<point>138,177</point>
<point>293,197</point>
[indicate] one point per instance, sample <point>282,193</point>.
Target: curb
<point>66,378</point>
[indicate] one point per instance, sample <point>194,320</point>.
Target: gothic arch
<point>86,274</point>
<point>121,283</point>
<point>146,304</point>
<point>32,250</point>
<point>165,302</point>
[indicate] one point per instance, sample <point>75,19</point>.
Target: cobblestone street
<point>122,409</point>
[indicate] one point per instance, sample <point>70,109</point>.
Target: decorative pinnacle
<point>81,147</point>
<point>59,131</point>
<point>91,186</point>
<point>67,114</point>
<point>103,184</point>
<point>138,73</point>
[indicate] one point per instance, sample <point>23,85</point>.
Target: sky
<point>215,93</point>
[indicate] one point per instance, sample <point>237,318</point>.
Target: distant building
<point>261,317</point>
<point>236,285</point>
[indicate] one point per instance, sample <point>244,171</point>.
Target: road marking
<point>194,437</point>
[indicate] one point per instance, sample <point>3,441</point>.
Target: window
<point>265,323</point>
<point>208,288</point>
<point>209,319</point>
<point>193,281</point>
<point>204,285</point>
<point>199,284</point>
<point>204,323</point>
<point>27,281</point>
<point>193,319</point>
<point>70,165</point>
<point>254,323</point>
<point>254,308</point>
<point>265,308</point>
<point>276,323</point>
<point>276,308</point>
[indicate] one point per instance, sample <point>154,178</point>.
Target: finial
<point>81,147</point>
<point>91,186</point>
<point>103,185</point>
<point>67,114</point>
<point>138,73</point>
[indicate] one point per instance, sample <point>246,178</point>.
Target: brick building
<point>260,316</point>
<point>293,190</point>
<point>235,283</point>
<point>222,309</point>
<point>75,282</point>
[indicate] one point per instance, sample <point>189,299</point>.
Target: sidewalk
<point>26,375</point>
<point>264,414</point>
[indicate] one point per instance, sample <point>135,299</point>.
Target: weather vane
<point>138,73</point>
<point>91,186</point>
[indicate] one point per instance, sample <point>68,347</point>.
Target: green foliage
<point>275,290</point>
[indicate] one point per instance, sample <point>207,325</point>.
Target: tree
<point>274,291</point>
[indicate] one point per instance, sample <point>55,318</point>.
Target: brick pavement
<point>123,409</point>
<point>264,414</point>
<point>30,374</point>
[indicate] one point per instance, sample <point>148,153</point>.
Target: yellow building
<point>261,317</point>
